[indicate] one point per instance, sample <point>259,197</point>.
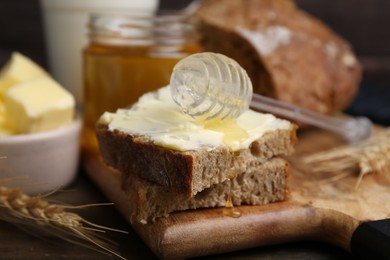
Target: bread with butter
<point>155,140</point>
<point>188,172</point>
<point>170,161</point>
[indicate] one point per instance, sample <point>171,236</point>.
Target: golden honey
<point>232,132</point>
<point>133,58</point>
<point>229,210</point>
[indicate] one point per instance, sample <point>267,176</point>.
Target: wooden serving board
<point>334,212</point>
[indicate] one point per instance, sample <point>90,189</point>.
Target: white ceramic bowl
<point>40,162</point>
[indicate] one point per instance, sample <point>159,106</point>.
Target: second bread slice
<point>258,185</point>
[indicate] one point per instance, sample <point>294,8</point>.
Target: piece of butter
<point>5,128</point>
<point>19,69</point>
<point>157,117</point>
<point>38,105</point>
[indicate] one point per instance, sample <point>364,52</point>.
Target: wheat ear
<point>370,156</point>
<point>36,212</point>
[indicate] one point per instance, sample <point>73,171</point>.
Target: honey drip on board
<point>229,210</point>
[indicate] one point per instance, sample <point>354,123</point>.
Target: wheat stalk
<point>36,212</point>
<point>370,156</point>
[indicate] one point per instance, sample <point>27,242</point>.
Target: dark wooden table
<point>18,244</point>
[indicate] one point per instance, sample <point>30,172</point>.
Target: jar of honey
<point>127,57</point>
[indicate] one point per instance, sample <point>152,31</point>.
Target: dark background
<point>365,24</point>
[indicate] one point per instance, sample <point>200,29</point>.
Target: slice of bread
<point>256,186</point>
<point>188,172</point>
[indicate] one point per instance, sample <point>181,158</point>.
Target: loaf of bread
<point>288,54</point>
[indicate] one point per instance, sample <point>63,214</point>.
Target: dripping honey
<point>229,209</point>
<point>232,131</point>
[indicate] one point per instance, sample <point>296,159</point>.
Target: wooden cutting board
<point>334,212</point>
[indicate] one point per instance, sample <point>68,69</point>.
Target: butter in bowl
<point>39,129</point>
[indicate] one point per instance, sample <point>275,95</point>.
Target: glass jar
<point>127,57</point>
